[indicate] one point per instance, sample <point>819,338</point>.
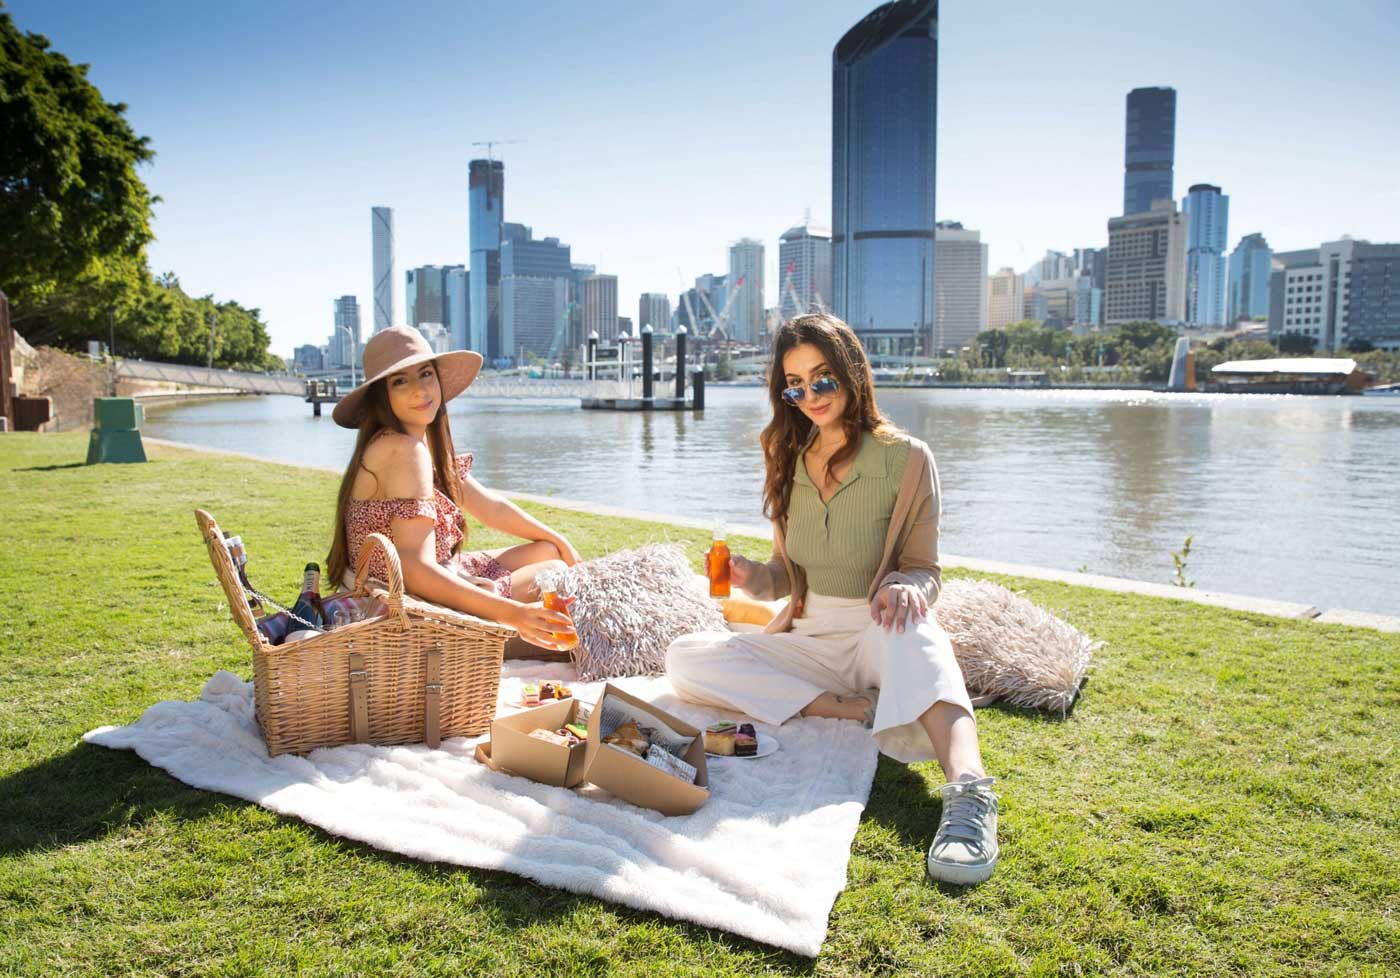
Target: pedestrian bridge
<point>488,384</point>
<point>234,380</point>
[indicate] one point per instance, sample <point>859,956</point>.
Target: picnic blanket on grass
<point>764,857</point>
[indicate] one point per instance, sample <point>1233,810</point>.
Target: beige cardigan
<point>911,545</point>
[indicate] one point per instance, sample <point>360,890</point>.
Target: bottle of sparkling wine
<point>308,606</point>
<point>240,563</point>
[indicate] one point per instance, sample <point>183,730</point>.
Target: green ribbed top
<point>839,543</point>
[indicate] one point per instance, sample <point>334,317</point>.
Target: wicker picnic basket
<point>415,674</point>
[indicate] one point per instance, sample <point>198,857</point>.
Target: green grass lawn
<point>1222,801</point>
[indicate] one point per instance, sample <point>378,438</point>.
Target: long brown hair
<point>787,433</point>
<point>376,417</point>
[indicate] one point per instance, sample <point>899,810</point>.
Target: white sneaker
<point>965,849</point>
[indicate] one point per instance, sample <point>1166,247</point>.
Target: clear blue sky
<point>656,133</point>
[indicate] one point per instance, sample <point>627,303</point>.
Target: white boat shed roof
<point>1331,366</point>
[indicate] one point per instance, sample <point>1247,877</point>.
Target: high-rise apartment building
<point>425,295</point>
<point>459,324</point>
<point>1149,148</point>
<point>959,286</point>
<point>1146,273</point>
<point>746,272</point>
<point>486,186</point>
<point>804,270</point>
<point>884,151</point>
<point>1092,262</point>
<point>654,310</point>
<point>1207,213</point>
<point>1251,263</point>
<point>307,358</point>
<point>578,336</point>
<point>1338,294</point>
<point>1006,300</point>
<point>382,237</point>
<point>600,307</point>
<point>345,342</point>
<point>534,294</point>
<point>1055,264</point>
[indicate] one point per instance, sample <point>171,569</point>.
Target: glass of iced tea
<point>555,589</point>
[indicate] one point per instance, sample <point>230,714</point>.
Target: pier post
<point>697,388</point>
<point>592,352</point>
<point>680,363</point>
<point>647,380</point>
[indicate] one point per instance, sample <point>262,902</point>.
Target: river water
<point>1285,497</point>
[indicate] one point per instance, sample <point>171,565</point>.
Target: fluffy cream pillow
<point>630,607</point>
<point>1011,649</point>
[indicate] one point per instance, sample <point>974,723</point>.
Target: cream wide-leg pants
<point>834,648</point>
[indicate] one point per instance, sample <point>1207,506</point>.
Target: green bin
<point>116,435</point>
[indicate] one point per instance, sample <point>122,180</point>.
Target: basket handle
<point>391,561</point>
<point>228,579</point>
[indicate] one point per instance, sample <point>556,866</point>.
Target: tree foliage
<point>75,219</point>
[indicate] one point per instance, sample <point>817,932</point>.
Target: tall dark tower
<point>1149,148</point>
<point>486,201</point>
<point>884,148</point>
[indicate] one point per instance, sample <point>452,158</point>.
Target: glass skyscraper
<point>1207,212</point>
<point>1251,263</point>
<point>884,141</point>
<point>486,183</point>
<point>1149,148</point>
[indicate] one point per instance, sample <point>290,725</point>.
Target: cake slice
<point>719,738</point>
<point>745,741</point>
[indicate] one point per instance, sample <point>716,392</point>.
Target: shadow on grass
<point>52,468</point>
<point>90,792</point>
<point>87,793</point>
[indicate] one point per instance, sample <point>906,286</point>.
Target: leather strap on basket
<point>432,696</point>
<point>359,705</point>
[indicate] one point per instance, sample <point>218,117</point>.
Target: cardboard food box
<point>514,749</point>
<point>633,779</point>
<point>614,769</point>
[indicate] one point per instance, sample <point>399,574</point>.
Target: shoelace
<point>965,807</point>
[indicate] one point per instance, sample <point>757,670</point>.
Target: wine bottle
<point>308,606</point>
<point>240,563</point>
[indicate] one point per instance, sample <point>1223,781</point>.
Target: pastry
<point>719,738</point>
<point>530,694</point>
<point>662,759</point>
<point>630,738</point>
<point>579,730</point>
<point>546,691</point>
<point>563,692</point>
<point>745,741</point>
<point>550,736</point>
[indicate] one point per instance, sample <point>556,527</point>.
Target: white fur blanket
<point>764,857</point>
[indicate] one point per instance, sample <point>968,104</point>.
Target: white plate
<point>766,745</point>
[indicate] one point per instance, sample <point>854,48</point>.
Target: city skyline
<point>268,158</point>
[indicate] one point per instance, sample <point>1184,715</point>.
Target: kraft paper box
<point>624,774</point>
<point>514,749</point>
<point>633,779</point>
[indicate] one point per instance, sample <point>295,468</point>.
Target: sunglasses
<point>821,387</point>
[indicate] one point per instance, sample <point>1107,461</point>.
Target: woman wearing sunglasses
<point>854,504</point>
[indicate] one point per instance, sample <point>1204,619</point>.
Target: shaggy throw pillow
<point>1011,649</point>
<point>631,605</point>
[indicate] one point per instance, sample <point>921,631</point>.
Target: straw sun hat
<point>398,348</point>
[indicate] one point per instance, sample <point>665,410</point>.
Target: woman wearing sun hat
<point>404,481</point>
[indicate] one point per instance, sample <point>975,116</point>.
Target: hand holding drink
<point>551,598</point>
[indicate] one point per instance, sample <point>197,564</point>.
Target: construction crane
<point>721,318</point>
<point>489,143</point>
